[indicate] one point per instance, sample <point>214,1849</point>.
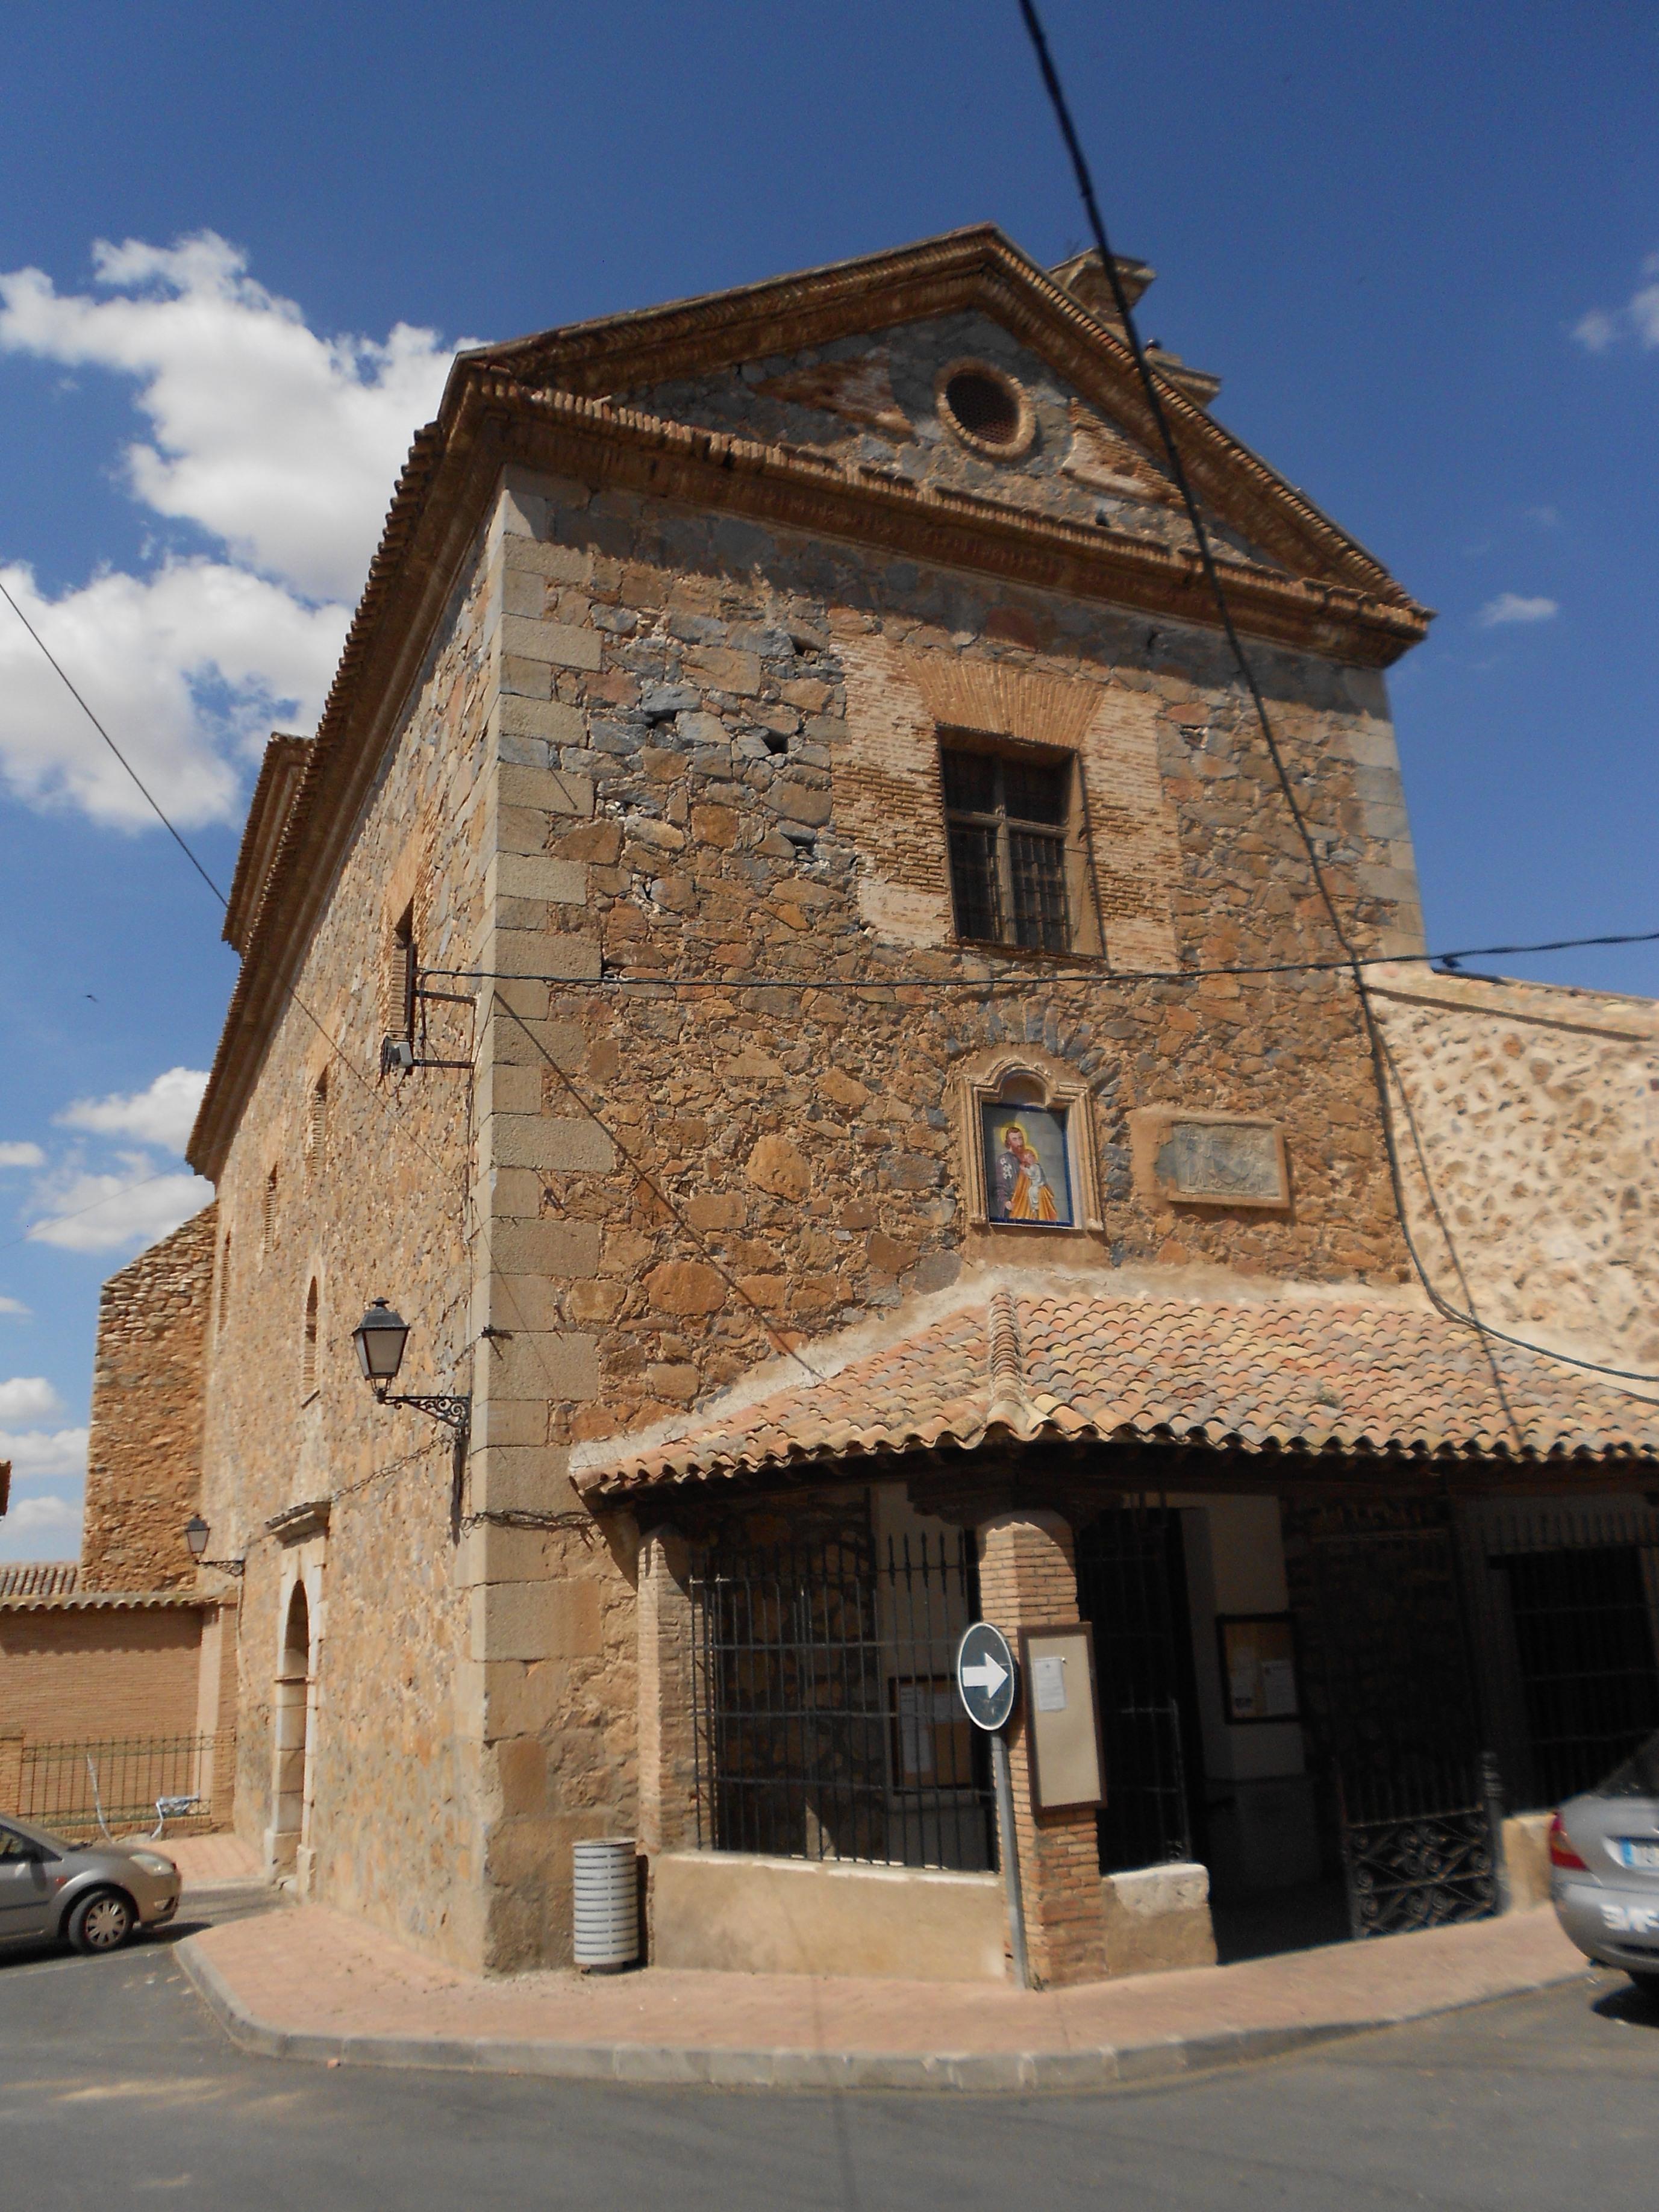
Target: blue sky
<point>1418,243</point>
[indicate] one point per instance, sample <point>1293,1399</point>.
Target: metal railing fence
<point>112,1784</point>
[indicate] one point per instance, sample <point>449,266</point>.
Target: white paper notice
<point>1278,1687</point>
<point>1049,1680</point>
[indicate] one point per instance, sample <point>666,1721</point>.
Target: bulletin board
<point>1258,1668</point>
<point>1062,1716</point>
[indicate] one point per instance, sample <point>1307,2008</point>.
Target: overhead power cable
<point>1353,959</point>
<point>1044,978</point>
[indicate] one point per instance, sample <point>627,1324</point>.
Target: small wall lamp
<point>197,1533</point>
<point>379,1337</point>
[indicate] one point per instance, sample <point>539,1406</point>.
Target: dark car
<point>91,1895</point>
<point>1604,1868</point>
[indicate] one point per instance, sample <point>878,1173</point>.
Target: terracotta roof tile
<point>1304,1376</point>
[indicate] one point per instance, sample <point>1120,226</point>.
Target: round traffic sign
<point>987,1680</point>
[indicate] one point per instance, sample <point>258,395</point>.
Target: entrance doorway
<point>1132,1587</point>
<point>291,1729</point>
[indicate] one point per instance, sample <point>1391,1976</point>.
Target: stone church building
<point>720,972</point>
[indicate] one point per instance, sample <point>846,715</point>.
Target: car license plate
<point>1634,1854</point>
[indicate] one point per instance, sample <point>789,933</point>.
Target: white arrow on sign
<point>989,1675</point>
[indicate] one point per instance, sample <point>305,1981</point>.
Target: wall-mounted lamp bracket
<point>454,1413</point>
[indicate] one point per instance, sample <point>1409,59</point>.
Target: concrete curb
<point>981,2073</point>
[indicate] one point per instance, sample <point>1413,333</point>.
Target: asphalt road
<point>118,2089</point>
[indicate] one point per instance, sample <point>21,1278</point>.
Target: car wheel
<point>101,1921</point>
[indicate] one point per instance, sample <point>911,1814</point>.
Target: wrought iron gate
<point>1416,1799</point>
<point>1131,1585</point>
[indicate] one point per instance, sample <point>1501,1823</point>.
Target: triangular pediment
<point>845,363</point>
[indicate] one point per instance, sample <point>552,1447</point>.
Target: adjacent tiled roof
<point>1303,1375</point>
<point>172,1601</point>
<point>34,1578</point>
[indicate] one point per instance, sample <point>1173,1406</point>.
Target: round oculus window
<point>985,408</point>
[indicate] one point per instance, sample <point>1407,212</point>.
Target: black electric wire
<point>1044,979</point>
<point>149,795</point>
<point>291,992</point>
<point>1247,674</point>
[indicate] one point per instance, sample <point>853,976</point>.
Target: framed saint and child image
<point>1028,1176</point>
<point>1026,1128</point>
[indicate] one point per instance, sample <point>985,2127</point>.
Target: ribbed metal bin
<point>607,1903</point>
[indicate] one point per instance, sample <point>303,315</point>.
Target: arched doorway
<point>290,1727</point>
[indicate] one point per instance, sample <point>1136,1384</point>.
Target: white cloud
<point>28,1398</point>
<point>189,668</point>
<point>38,1454</point>
<point>162,1114</point>
<point>14,1308</point>
<point>283,445</point>
<point>1637,319</point>
<point>21,1155</point>
<point>1510,607</point>
<point>36,1528</point>
<point>98,1212</point>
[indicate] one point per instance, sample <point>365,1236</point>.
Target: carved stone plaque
<point>1211,1159</point>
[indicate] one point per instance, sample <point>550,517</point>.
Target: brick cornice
<point>802,490</point>
<point>967,269</point>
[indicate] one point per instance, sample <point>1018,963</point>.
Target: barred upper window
<point>1005,815</point>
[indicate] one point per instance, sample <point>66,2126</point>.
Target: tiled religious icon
<point>1027,1175</point>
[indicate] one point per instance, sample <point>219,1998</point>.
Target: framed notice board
<point>1258,1668</point>
<point>1062,1716</point>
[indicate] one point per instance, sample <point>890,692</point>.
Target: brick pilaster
<point>1027,1579</point>
<point>668,1810</point>
<point>11,1771</point>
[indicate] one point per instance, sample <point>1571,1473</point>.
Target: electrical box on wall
<point>1062,1716</point>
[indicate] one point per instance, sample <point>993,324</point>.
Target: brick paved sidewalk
<point>212,1861</point>
<point>312,1983</point>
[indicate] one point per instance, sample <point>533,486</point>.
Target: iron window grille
<point>1568,1640</point>
<point>1005,818</point>
<point>827,1722</point>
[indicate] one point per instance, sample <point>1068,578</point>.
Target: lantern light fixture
<point>197,1537</point>
<point>380,1337</point>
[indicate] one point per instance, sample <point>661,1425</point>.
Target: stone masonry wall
<point>798,1134</point>
<point>370,1199</point>
<point>144,1449</point>
<point>1538,1108</point>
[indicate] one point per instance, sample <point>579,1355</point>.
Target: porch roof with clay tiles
<point>1311,1375</point>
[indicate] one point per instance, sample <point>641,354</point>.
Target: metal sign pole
<point>988,1683</point>
<point>1009,1845</point>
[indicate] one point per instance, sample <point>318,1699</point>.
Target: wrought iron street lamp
<point>379,1337</point>
<point>197,1533</point>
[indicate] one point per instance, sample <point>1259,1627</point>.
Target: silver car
<point>91,1895</point>
<point>1604,1869</point>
